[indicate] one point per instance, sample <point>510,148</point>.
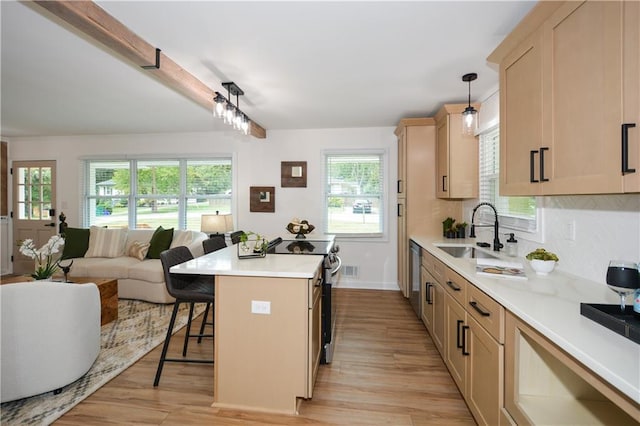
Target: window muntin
<point>518,213</point>
<point>149,193</point>
<point>354,194</point>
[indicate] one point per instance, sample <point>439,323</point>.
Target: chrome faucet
<point>497,245</point>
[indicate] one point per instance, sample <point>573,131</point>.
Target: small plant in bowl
<point>542,261</point>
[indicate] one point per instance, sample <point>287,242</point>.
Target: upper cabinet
<point>457,155</point>
<point>569,100</point>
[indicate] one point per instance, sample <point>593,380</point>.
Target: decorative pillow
<point>76,243</point>
<point>105,242</point>
<point>138,250</point>
<point>181,238</point>
<point>160,241</point>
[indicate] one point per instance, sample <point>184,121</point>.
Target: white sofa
<point>50,336</point>
<point>137,279</point>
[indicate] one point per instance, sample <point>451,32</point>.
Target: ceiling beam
<point>95,22</point>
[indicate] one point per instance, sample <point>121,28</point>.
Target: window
<point>354,194</point>
<point>149,193</point>
<point>518,213</point>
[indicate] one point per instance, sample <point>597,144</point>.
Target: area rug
<point>140,327</point>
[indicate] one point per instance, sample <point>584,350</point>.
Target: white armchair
<point>50,334</point>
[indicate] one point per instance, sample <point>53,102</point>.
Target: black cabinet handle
<point>532,166</point>
<point>399,186</point>
<point>399,210</point>
<point>444,183</point>
<point>458,335</point>
<point>542,178</point>
<point>428,291</point>
<point>625,148</point>
<point>453,286</point>
<point>475,305</point>
<point>464,340</point>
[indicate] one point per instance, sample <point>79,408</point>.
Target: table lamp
<point>216,224</point>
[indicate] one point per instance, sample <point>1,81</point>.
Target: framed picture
<point>262,199</point>
<point>293,174</point>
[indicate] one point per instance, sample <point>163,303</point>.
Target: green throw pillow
<point>160,241</point>
<point>76,243</point>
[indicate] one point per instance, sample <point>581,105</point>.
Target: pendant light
<point>470,114</point>
<point>229,113</point>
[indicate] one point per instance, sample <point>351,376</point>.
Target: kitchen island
<point>267,318</point>
<point>558,366</point>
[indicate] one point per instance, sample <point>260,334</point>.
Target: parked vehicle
<point>362,206</point>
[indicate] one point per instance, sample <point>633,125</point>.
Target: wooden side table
<point>108,288</point>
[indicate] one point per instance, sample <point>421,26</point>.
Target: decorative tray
<point>624,323</point>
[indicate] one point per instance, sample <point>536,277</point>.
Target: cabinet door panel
<point>631,92</point>
<point>585,42</point>
<point>455,317</point>
<point>442,150</point>
<point>521,117</point>
<point>485,373</point>
<point>438,317</point>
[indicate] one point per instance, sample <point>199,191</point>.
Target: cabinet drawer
<point>434,266</point>
<point>455,285</point>
<point>486,311</point>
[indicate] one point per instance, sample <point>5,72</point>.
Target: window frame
<point>527,229</point>
<point>382,234</point>
<point>133,196</point>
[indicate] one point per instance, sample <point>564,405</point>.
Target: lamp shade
<point>216,223</point>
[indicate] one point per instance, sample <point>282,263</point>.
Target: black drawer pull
<point>542,178</point>
<point>428,291</point>
<point>444,184</point>
<point>532,166</point>
<point>453,286</point>
<point>475,305</point>
<point>464,340</point>
<point>625,148</point>
<point>399,186</point>
<point>458,342</point>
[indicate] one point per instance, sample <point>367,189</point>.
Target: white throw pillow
<point>138,250</point>
<point>104,242</point>
<point>181,237</point>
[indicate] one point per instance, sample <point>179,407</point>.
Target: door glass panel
<point>34,193</point>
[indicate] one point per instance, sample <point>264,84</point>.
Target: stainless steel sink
<point>468,252</point>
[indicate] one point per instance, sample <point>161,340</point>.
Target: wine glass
<point>623,278</point>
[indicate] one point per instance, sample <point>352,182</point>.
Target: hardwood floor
<point>386,370</point>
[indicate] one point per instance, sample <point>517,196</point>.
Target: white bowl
<point>542,267</point>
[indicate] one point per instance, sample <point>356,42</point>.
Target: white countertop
<point>226,262</point>
<point>551,305</point>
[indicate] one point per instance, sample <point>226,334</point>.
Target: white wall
<point>257,164</point>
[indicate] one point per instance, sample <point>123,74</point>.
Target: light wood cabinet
<point>457,155</point>
<point>282,346</point>
<point>544,385</point>
<point>566,89</point>
<point>433,308</point>
<point>473,347</point>
<point>418,209</point>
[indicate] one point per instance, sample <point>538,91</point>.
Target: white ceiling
<point>302,65</point>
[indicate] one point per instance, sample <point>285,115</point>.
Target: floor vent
<point>350,271</point>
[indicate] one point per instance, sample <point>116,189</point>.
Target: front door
<point>34,198</point>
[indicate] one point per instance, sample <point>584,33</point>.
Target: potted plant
<point>461,230</point>
<point>447,228</point>
<point>258,245</point>
<point>542,261</point>
<point>46,265</point>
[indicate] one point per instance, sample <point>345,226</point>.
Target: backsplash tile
<point>607,227</point>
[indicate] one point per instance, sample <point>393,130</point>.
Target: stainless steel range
<point>331,266</point>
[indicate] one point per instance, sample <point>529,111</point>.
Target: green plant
<point>260,244</point>
<point>45,263</point>
<point>461,225</point>
<point>541,254</point>
<point>447,224</point>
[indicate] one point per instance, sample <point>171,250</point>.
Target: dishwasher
<point>414,276</point>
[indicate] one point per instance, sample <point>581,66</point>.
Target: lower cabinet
<point>433,309</point>
<point>544,385</point>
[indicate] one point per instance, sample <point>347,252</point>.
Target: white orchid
<point>45,265</point>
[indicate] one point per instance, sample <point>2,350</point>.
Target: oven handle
<point>337,268</point>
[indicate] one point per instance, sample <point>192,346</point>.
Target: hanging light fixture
<point>470,114</point>
<point>229,113</point>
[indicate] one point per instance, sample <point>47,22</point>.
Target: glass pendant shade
<point>229,114</point>
<point>469,121</point>
<point>218,107</point>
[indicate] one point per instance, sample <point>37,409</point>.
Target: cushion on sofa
<point>149,270</point>
<point>138,250</point>
<point>116,267</point>
<point>160,241</point>
<point>105,242</point>
<point>181,237</point>
<point>76,242</point>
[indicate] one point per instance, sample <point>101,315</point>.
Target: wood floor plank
<point>386,371</point>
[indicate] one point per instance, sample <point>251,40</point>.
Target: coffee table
<point>108,288</point>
